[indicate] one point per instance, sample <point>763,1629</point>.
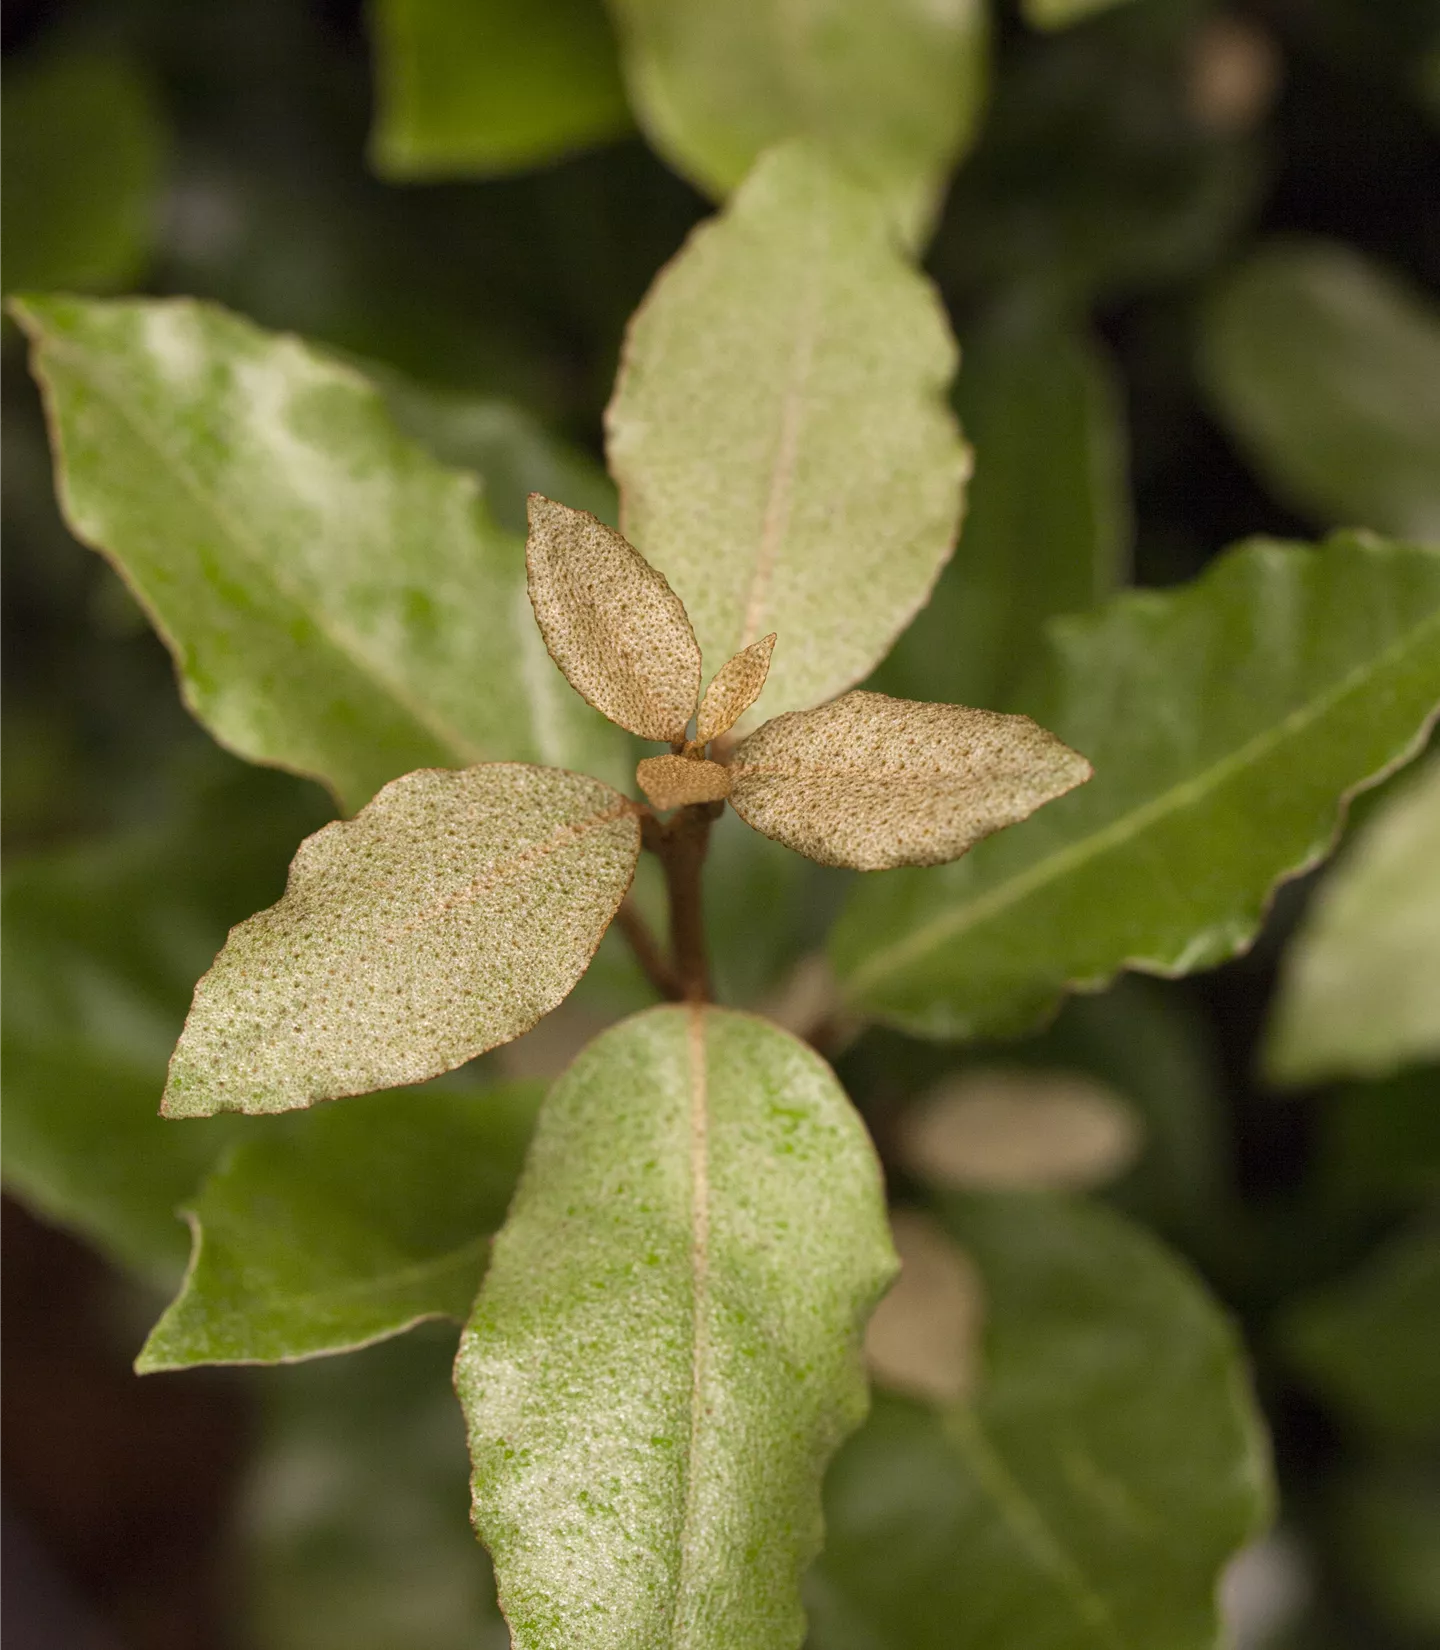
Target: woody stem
<point>680,843</point>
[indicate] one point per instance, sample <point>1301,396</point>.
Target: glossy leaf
<point>1109,1463</point>
<point>733,689</point>
<point>1358,994</point>
<point>873,782</point>
<point>83,167</point>
<point>666,1347</point>
<point>348,1225</point>
<point>1326,369</point>
<point>611,622</point>
<point>1047,524</point>
<point>447,917</point>
<point>1227,724</point>
<point>337,603</point>
<point>892,88</point>
<point>103,943</point>
<point>472,88</point>
<point>1371,1341</point>
<point>778,432</point>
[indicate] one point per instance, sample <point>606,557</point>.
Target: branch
<point>648,952</point>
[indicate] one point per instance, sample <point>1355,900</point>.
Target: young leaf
<point>923,1337</point>
<point>779,434</point>
<point>666,1348</point>
<point>735,687</point>
<point>447,917</point>
<point>611,622</point>
<point>1327,370</point>
<point>1089,1493</point>
<point>469,90</point>
<point>1358,994</point>
<point>350,1224</point>
<point>673,781</point>
<point>1047,525</point>
<point>1227,722</point>
<point>873,782</point>
<point>337,603</point>
<point>892,88</point>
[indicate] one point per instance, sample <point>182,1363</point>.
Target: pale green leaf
<point>344,1226</point>
<point>1089,1493</point>
<point>779,434</point>
<point>472,88</point>
<point>1227,723</point>
<point>103,944</point>
<point>1359,993</point>
<point>83,153</point>
<point>1326,369</point>
<point>1047,524</point>
<point>337,602</point>
<point>1371,1341</point>
<point>893,89</point>
<point>665,1350</point>
<point>1061,14</point>
<point>448,916</point>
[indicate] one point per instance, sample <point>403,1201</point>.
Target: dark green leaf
<point>1327,370</point>
<point>1226,723</point>
<point>471,88</point>
<point>351,1224</point>
<point>665,1350</point>
<point>1090,1492</point>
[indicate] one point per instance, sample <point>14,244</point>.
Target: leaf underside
<point>665,1350</point>
<point>1227,723</point>
<point>447,917</point>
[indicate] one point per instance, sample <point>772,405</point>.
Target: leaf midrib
<point>341,638</point>
<point>950,925</point>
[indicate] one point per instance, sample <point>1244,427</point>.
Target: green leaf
<point>472,88</point>
<point>1371,1342</point>
<point>1386,1518</point>
<point>102,947</point>
<point>1047,524</point>
<point>1227,724</point>
<point>83,151</point>
<point>665,1350</point>
<point>1090,1492</point>
<point>1061,14</point>
<point>779,421</point>
<point>1326,369</point>
<point>337,603</point>
<point>1357,995</point>
<point>451,914</point>
<point>345,1226</point>
<point>892,89</point>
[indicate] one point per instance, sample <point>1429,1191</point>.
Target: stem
<point>681,843</point>
<point>648,952</point>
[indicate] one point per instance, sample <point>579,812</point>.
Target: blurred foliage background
<point>1187,253</point>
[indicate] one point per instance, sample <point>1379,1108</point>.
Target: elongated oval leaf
<point>1088,1494</point>
<point>337,603</point>
<point>873,782</point>
<point>893,88</point>
<point>779,434</point>
<point>1227,724</point>
<point>448,916</point>
<point>1327,370</point>
<point>611,622</point>
<point>471,90</point>
<point>735,687</point>
<point>343,1226</point>
<point>1360,992</point>
<point>666,1347</point>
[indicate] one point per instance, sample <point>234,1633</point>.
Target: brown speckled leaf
<point>447,917</point>
<point>872,782</point>
<point>674,781</point>
<point>611,622</point>
<point>736,686</point>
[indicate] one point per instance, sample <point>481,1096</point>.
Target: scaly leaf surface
<point>666,1348</point>
<point>1227,723</point>
<point>448,916</point>
<point>1088,1494</point>
<point>337,602</point>
<point>779,434</point>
